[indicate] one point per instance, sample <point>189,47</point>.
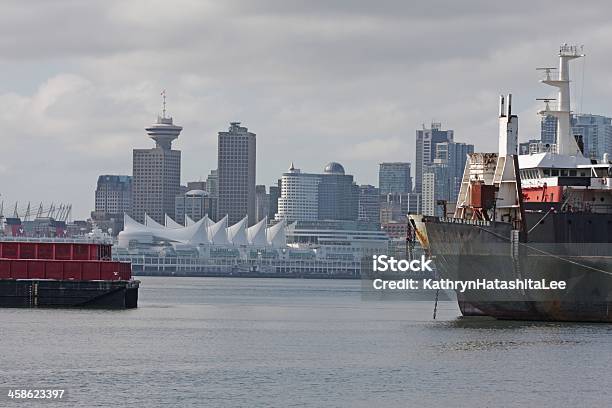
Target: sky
<point>317,81</point>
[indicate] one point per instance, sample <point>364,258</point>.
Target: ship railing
<point>599,208</point>
<point>550,105</point>
<point>548,74</point>
<point>571,50</point>
<point>589,208</point>
<point>67,240</point>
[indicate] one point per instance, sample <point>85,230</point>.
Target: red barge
<point>63,273</point>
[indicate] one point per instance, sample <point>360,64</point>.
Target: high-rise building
<point>196,185</point>
<point>262,202</point>
<point>299,196</point>
<point>548,130</point>
<point>157,173</point>
<point>114,194</point>
<point>395,206</point>
<point>236,172</point>
<point>113,199</point>
<point>338,194</point>
<point>525,147</point>
<point>331,195</point>
<point>212,183</point>
<point>196,204</point>
<point>369,204</point>
<point>454,154</point>
<point>274,194</point>
<point>428,196</point>
<point>426,141</point>
<point>596,132</point>
<point>394,178</point>
<point>436,188</point>
<point>414,203</point>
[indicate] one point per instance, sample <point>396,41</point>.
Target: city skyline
<point>75,104</point>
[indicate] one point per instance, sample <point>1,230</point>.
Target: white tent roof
<point>150,222</point>
<point>276,235</point>
<point>200,236</point>
<point>203,232</point>
<point>217,233</point>
<point>132,230</point>
<point>129,222</point>
<point>188,221</point>
<point>170,223</point>
<point>257,233</point>
<point>237,233</point>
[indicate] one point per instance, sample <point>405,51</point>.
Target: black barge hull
<point>33,293</point>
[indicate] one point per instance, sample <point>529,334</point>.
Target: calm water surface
<point>208,342</point>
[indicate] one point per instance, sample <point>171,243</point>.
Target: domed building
<point>196,193</point>
<point>331,195</point>
<point>195,204</point>
<point>333,168</point>
<point>338,194</point>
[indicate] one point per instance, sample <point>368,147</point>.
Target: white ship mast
<point>508,127</point>
<point>566,144</point>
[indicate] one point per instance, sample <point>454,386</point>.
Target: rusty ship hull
<point>464,251</point>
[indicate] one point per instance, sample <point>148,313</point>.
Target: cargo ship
<point>543,216</point>
<point>59,272</point>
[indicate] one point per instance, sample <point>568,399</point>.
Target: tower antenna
<point>163,94</point>
<point>582,83</point>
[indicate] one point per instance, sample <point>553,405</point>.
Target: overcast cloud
<point>348,81</point>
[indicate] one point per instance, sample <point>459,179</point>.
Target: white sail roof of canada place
<point>150,222</point>
<point>188,221</point>
<point>237,233</point>
<point>200,236</point>
<point>257,233</point>
<point>276,235</point>
<point>202,232</point>
<point>133,230</point>
<point>170,223</point>
<point>217,233</point>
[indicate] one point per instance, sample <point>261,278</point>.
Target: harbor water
<point>230,342</point>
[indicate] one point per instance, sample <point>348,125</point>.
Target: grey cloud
<point>317,81</point>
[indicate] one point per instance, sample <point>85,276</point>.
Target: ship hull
<point>34,293</point>
<point>467,308</point>
<point>468,252</point>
